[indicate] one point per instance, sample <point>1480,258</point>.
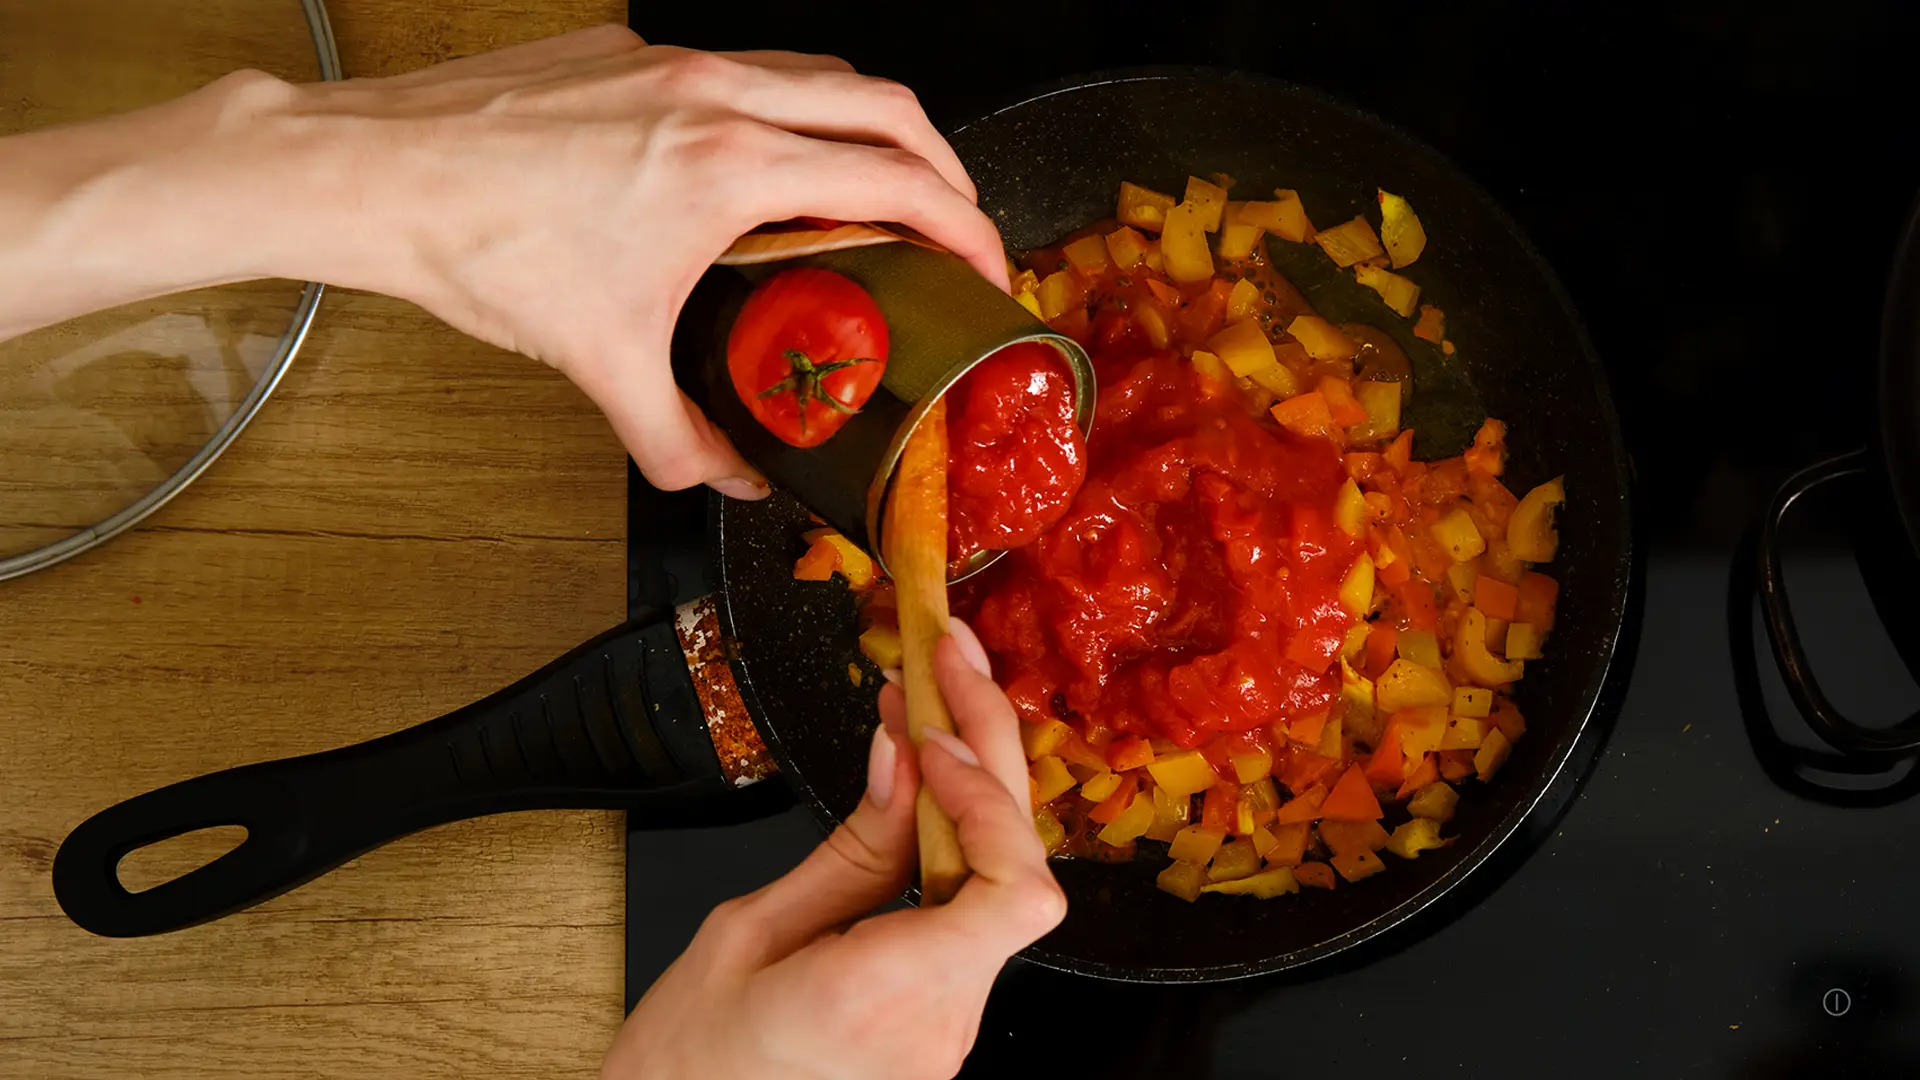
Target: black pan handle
<point>615,724</point>
<point>1880,745</point>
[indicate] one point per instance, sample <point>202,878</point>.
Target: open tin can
<point>942,318</point>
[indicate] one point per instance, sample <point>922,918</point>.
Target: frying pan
<point>616,723</point>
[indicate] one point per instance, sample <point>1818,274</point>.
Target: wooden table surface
<point>414,521</point>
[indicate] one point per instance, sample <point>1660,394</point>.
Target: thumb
<point>671,440</point>
<point>864,863</point>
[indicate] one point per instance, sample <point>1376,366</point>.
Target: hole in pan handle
<point>615,724</point>
<point>1880,745</point>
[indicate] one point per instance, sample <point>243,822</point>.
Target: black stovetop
<point>1721,190</point>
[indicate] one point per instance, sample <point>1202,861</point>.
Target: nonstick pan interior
<point>1053,163</point>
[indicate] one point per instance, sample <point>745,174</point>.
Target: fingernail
<point>893,675</point>
<point>970,646</point>
<point>954,746</point>
<point>739,487</point>
<point>880,769</point>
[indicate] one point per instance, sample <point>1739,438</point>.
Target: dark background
<point>1720,188</point>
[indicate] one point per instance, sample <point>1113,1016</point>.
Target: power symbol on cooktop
<point>1836,1002</point>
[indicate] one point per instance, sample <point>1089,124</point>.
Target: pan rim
<point>1556,788</point>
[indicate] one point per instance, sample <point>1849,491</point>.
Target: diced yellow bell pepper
<point>1263,840</point>
<point>1350,509</point>
<point>1322,339</point>
<point>1252,766</point>
<point>1401,294</point>
<point>1530,532</point>
<point>1024,281</point>
<point>1237,238</point>
<point>1491,755</point>
<point>1029,301</point>
<point>1152,321</point>
<point>1183,879</point>
<point>1266,884</point>
<point>1413,837</point>
<point>1102,785</point>
<point>1058,292</point>
<point>1126,247</point>
<point>1132,822</point>
<point>1356,639</point>
<point>1350,242</point>
<point>1435,801</point>
<point>1184,773</point>
<point>1142,208</point>
<point>1421,730</point>
<point>882,646</point>
<point>1051,779</point>
<point>1418,647</point>
<point>1382,402</point>
<point>1342,837</point>
<point>1243,346</point>
<point>1210,367</point>
<point>1356,589</point>
<point>1235,859</point>
<point>1472,701</point>
<point>1052,833</point>
<point>1243,820</point>
<point>1183,245</point>
<point>1333,738</point>
<point>1284,217</point>
<point>1289,844</point>
<point>1463,733</point>
<point>1460,578</point>
<point>1243,301</point>
<point>1523,641</point>
<point>1407,685</point>
<point>1155,261</point>
<point>1041,739</point>
<point>1475,661</point>
<point>1087,254</point>
<point>1400,230</point>
<point>1196,844</point>
<point>1500,564</point>
<point>1170,815</point>
<point>1461,538</point>
<point>1278,380</point>
<point>1211,199</point>
<point>1357,865</point>
<point>1356,694</point>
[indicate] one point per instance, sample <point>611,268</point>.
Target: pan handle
<point>614,724</point>
<point>1881,745</point>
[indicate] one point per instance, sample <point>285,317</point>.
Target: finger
<point>981,711</point>
<point>865,183</point>
<point>672,442</point>
<point>789,61</point>
<point>867,861</point>
<point>846,107</point>
<point>1012,899</point>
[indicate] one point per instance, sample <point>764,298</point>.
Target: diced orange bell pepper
<point>1489,452</point>
<point>1346,409</point>
<point>1300,768</point>
<point>1432,325</point>
<point>1220,808</point>
<point>1455,765</point>
<point>1361,465</point>
<point>1418,604</point>
<point>1306,730</point>
<point>1536,600</point>
<point>1129,752</point>
<point>1387,765</point>
<point>1495,598</point>
<point>1165,293</point>
<point>1383,642</point>
<point>1425,773</point>
<point>1306,414</point>
<point>1314,875</point>
<point>1352,798</point>
<point>1306,807</point>
<point>1399,452</point>
<point>1078,751</point>
<point>1114,804</point>
<point>819,563</point>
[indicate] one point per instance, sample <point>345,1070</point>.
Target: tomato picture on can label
<point>806,352</point>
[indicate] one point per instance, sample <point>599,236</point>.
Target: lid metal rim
<point>87,539</point>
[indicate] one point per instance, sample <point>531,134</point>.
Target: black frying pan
<point>615,723</point>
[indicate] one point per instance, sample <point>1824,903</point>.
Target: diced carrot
<point>1306,730</point>
<point>1536,600</point>
<point>1489,452</point>
<point>1382,641</point>
<point>1306,414</point>
<point>1129,752</point>
<point>1121,798</point>
<point>1220,808</point>
<point>1361,465</point>
<point>1304,808</point>
<point>1495,598</point>
<point>1455,765</point>
<point>1314,875</point>
<point>1346,409</point>
<point>1425,773</point>
<point>1399,452</point>
<point>1352,798</point>
<point>1387,765</point>
<point>819,563</point>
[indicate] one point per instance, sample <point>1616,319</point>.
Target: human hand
<point>566,195</point>
<point>795,981</point>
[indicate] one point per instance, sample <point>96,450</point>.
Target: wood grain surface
<point>414,521</point>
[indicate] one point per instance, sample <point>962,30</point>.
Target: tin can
<point>942,319</point>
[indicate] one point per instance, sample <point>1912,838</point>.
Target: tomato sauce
<point>1190,589</point>
<point>1015,455</point>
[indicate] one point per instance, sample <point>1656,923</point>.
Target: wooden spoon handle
<point>916,544</point>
